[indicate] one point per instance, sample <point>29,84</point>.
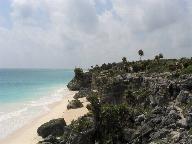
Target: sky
<point>81,33</point>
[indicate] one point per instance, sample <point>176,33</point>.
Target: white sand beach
<point>28,133</point>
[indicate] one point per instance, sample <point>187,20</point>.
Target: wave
<point>11,121</point>
<point>12,114</point>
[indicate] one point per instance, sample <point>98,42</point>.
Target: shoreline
<point>28,133</point>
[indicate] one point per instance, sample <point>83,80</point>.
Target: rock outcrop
<point>52,128</point>
<point>150,104</point>
<point>74,104</point>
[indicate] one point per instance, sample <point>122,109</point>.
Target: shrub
<point>172,67</point>
<point>78,73</point>
<point>188,70</point>
<point>113,119</point>
<point>89,107</point>
<point>81,124</point>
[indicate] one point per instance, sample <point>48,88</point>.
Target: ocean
<point>26,94</point>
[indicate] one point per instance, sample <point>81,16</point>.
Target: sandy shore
<point>28,134</point>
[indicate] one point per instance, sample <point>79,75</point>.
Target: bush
<point>82,124</point>
<point>113,119</point>
<point>172,67</point>
<point>188,70</point>
<point>89,107</point>
<point>78,73</point>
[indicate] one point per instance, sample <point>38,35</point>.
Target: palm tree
<point>124,60</point>
<point>141,53</point>
<point>157,58</point>
<point>160,56</point>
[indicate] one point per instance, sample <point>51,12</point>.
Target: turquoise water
<point>26,93</point>
<point>25,84</point>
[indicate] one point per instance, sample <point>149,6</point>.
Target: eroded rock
<point>53,127</point>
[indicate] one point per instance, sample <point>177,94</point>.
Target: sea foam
<point>16,118</point>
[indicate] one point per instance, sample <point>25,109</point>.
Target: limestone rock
<point>53,127</point>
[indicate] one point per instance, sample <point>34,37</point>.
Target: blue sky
<point>70,33</point>
<point>5,10</point>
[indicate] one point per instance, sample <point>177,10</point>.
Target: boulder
<point>53,127</point>
<point>74,104</point>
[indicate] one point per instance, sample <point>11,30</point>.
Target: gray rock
<point>140,118</point>
<point>158,110</point>
<point>74,85</point>
<point>82,93</point>
<point>187,84</point>
<point>44,143</point>
<point>166,121</point>
<point>174,114</point>
<point>74,104</point>
<point>189,118</point>
<point>157,120</point>
<point>183,97</point>
<point>54,127</point>
<point>159,134</point>
<point>49,140</point>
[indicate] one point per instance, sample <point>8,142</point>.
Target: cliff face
<point>82,82</point>
<point>138,103</point>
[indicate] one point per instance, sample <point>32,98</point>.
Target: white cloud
<point>68,33</point>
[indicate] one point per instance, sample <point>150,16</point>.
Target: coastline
<point>28,133</point>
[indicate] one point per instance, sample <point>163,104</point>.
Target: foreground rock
<point>53,127</point>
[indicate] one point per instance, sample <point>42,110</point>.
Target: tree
<point>160,56</point>
<point>157,57</point>
<point>124,60</point>
<point>141,53</point>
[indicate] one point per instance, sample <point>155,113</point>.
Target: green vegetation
<point>124,60</point>
<point>81,124</point>
<point>78,73</point>
<point>131,102</point>
<point>188,70</point>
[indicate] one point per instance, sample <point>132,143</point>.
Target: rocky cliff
<point>132,103</point>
